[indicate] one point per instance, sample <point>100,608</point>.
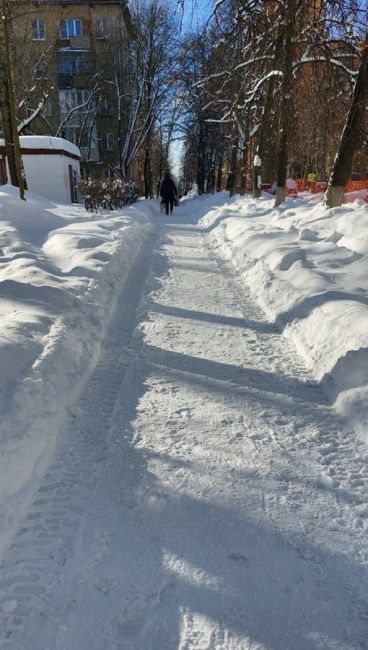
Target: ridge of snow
<point>307,266</point>
<point>61,270</point>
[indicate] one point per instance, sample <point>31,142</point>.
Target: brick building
<point>75,53</point>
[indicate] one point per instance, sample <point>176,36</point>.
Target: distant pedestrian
<point>168,192</point>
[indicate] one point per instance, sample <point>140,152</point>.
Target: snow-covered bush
<point>108,194</point>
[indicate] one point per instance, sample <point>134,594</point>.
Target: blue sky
<point>196,12</point>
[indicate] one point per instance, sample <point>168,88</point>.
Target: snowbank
<point>308,267</point>
<point>61,270</point>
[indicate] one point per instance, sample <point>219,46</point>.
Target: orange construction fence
<point>315,187</point>
<point>355,186</point>
<point>320,186</point>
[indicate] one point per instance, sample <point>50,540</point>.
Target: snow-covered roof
<point>47,142</point>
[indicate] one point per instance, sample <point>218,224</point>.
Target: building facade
<point>73,57</point>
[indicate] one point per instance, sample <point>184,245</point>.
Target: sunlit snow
<point>183,437</point>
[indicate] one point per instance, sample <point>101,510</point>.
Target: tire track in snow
<point>341,456</point>
<point>33,565</point>
<point>228,440</point>
<point>298,441</point>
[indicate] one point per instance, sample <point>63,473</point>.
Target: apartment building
<point>72,58</point>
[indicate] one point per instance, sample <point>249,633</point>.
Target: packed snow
<point>59,270</point>
<point>183,439</point>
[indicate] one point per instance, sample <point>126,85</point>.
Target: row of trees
<point>267,89</point>
<point>279,83</point>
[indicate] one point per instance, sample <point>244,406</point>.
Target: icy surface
<point>202,491</point>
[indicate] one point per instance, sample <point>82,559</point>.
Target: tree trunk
<point>120,137</point>
<point>201,161</point>
<point>147,174</point>
<point>200,175</point>
<point>282,165</point>
<point>231,181</point>
<point>265,133</point>
<point>7,103</point>
<point>211,181</point>
<point>7,123</point>
<point>219,175</point>
<point>351,135</point>
<point>243,170</point>
<point>160,166</point>
<point>257,177</point>
<point>286,104</point>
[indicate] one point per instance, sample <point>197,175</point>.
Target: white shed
<point>51,166</point>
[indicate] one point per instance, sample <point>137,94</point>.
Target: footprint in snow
<point>239,557</point>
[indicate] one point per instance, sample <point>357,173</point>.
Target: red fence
<point>355,186</point>
<point>316,187</point>
<point>319,186</point>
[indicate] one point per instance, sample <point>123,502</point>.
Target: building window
<point>74,64</point>
<point>71,27</point>
<point>73,98</point>
<point>83,137</point>
<point>65,66</point>
<point>38,30</point>
<point>109,141</point>
<point>78,135</point>
<point>103,28</point>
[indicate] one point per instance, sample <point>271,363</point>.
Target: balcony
<point>65,81</point>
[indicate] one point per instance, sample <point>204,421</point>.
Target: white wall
<point>49,175</point>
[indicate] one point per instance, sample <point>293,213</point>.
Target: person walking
<point>168,192</point>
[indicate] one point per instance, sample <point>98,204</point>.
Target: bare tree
<point>351,134</point>
<point>7,100</point>
<point>150,75</point>
<point>273,50</point>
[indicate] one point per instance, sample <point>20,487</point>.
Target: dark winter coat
<point>168,190</point>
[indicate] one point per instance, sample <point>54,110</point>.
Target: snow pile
<point>193,193</point>
<point>61,271</point>
<point>308,267</point>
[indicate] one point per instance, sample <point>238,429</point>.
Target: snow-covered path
<point>204,494</point>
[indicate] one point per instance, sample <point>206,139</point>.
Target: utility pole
<point>7,102</point>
